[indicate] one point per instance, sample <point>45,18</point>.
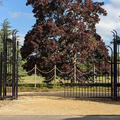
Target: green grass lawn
<point>27,83</point>
<point>31,80</point>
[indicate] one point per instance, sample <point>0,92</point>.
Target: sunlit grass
<point>27,83</point>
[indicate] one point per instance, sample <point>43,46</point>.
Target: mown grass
<point>27,83</point>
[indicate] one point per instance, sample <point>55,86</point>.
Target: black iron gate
<point>9,67</point>
<point>116,66</point>
<point>94,83</point>
<point>102,81</point>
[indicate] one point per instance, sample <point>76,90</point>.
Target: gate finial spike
<point>14,32</point>
<point>114,32</point>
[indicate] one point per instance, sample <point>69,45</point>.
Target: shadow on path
<point>60,95</point>
<point>96,117</point>
<point>58,117</point>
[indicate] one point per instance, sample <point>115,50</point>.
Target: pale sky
<point>20,16</point>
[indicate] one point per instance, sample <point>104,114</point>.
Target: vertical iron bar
<point>74,80</point>
<point>17,64</point>
<point>5,65</point>
<point>106,83</point>
<point>100,74</point>
<point>35,74</point>
<point>115,68</point>
<point>118,80</point>
<point>55,73</point>
<point>112,76</point>
<point>13,67</point>
<point>1,75</point>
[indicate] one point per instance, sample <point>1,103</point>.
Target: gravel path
<point>51,105</point>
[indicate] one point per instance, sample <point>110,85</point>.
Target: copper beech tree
<point>63,29</point>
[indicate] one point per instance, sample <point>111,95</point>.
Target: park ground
<point>33,104</point>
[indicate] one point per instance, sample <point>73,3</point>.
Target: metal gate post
<point>17,64</point>
<point>14,65</point>
<point>115,67</point>
<point>1,75</point>
<point>112,76</point>
<point>5,65</point>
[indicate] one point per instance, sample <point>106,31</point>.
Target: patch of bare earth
<point>49,105</point>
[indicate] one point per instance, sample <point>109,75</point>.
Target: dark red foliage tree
<point>63,28</point>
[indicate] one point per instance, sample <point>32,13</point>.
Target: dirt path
<point>49,105</point>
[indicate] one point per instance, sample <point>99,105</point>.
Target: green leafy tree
<point>6,29</point>
<point>22,72</point>
<point>5,33</point>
